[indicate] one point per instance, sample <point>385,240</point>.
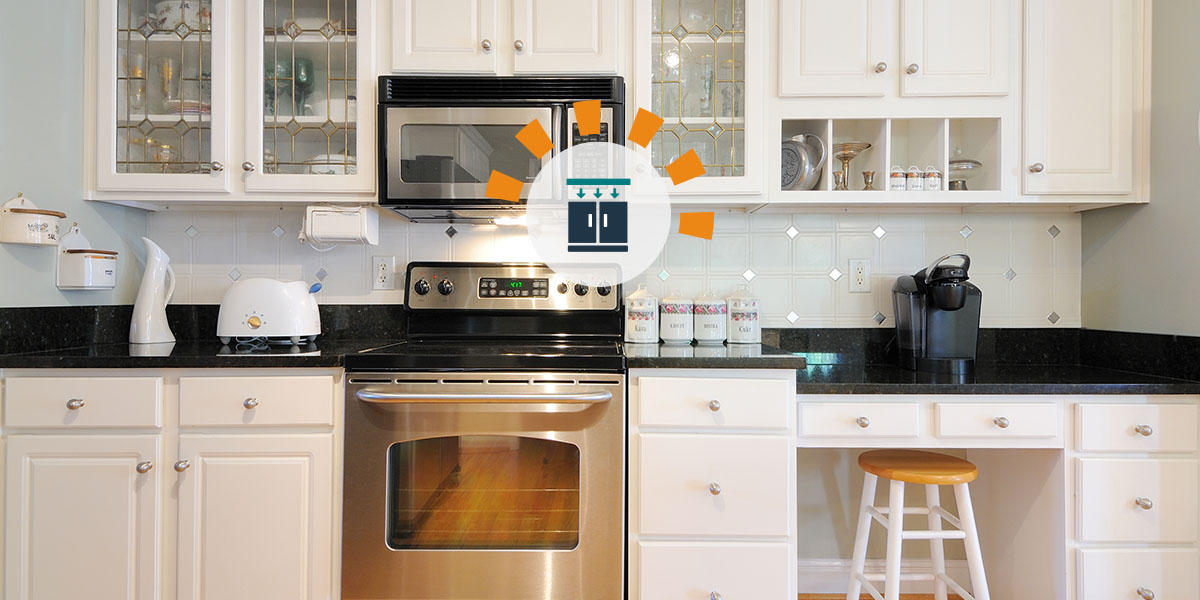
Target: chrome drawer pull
<point>714,596</point>
<point>1144,430</point>
<point>250,403</point>
<point>181,466</point>
<point>75,404</point>
<point>1001,422</point>
<point>714,489</point>
<point>1145,593</point>
<point>1144,503</point>
<point>714,405</point>
<point>144,467</point>
<point>863,422</point>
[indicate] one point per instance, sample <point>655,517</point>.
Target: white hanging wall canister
<point>340,225</point>
<point>22,222</point>
<point>81,267</point>
<point>743,318</point>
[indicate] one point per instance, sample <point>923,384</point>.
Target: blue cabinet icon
<point>597,216</point>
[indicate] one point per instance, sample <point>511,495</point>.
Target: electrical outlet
<point>860,275</point>
<point>383,269</point>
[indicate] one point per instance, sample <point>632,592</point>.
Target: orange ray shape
<point>587,115</point>
<point>503,187</point>
<point>645,125</point>
<point>534,138</point>
<point>699,224</point>
<point>685,167</point>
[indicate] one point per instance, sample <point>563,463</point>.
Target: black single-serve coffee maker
<point>937,318</point>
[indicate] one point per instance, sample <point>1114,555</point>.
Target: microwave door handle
<point>375,397</point>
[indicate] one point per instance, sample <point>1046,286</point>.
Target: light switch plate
<point>383,272</point>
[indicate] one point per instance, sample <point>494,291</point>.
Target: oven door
<point>497,486</point>
<point>443,156</point>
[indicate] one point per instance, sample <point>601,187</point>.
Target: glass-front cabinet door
<point>162,104</point>
<point>310,103</point>
<point>700,66</point>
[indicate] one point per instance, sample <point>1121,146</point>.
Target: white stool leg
<point>936,546</point>
<point>895,532</point>
<point>861,535</point>
<point>966,515</point>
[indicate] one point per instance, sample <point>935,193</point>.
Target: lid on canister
<point>743,295</point>
<point>641,294</point>
<point>676,297</point>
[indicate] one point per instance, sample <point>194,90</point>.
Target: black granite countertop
<point>206,354</point>
<point>1011,379</point>
<point>723,356</point>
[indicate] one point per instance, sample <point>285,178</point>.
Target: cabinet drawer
<point>860,419</point>
<point>680,473</point>
<point>702,571</point>
<point>719,403</point>
<point>1117,574</point>
<point>98,402</point>
<point>1108,494</point>
<point>253,401</point>
<point>1000,419</point>
<point>1137,427</point>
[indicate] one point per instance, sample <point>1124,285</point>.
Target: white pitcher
<point>149,325</point>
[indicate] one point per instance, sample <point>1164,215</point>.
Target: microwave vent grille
<point>523,89</point>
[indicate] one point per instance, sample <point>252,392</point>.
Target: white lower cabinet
<point>1134,574</point>
<point>713,570</point>
<point>255,517</point>
<point>83,517</point>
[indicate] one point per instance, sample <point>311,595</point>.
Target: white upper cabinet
<point>565,35</point>
<point>838,48</point>
<point>1079,96</point>
<point>955,48</point>
<point>441,36</point>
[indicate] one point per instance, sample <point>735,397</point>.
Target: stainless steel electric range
<point>485,456</point>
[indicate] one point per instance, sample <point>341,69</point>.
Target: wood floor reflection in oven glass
<point>483,492</point>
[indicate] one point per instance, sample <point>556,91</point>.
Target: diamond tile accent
<point>145,127</point>
<point>715,130</point>
<point>278,231</point>
<point>1054,231</point>
<point>1053,318</point>
<point>792,317</point>
<point>966,232</point>
<point>451,231</point>
<point>716,32</point>
<point>792,232</point>
<point>879,232</point>
<point>292,127</point>
<point>292,29</point>
<point>328,30</point>
<point>182,30</point>
<point>191,231</point>
<point>235,274</point>
<point>329,127</point>
<point>663,275</point>
<point>680,129</point>
<point>181,127</point>
<point>835,274</point>
<point>1010,274</point>
<point>146,29</point>
<point>679,32</point>
<point>321,274</point>
<point>748,275</point>
<point>878,318</point>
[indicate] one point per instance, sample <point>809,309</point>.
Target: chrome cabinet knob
<point>1001,422</point>
<point>519,45</point>
<point>714,596</point>
<point>714,488</point>
<point>1145,593</point>
<point>250,403</point>
<point>863,422</point>
<point>75,404</point>
<point>144,467</point>
<point>1143,503</point>
<point>714,405</point>
<point>216,165</point>
<point>1037,168</point>
<point>1144,430</point>
<point>248,166</point>
<point>486,44</point>
<point>912,69</point>
<point>880,67</point>
<point>182,465</point>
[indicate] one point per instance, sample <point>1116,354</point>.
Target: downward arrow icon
<point>615,193</point>
<point>581,192</point>
<point>598,194</point>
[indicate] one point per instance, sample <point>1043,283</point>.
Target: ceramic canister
<point>641,317</point>
<point>916,179</point>
<point>743,318</point>
<point>933,179</point>
<point>675,324</point>
<point>708,315</point>
<point>897,179</point>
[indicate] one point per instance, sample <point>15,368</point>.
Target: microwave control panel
<point>577,138</point>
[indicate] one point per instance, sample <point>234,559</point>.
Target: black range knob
<point>562,288</point>
<point>445,286</point>
<point>604,290</point>
<point>581,289</point>
<point>421,287</point>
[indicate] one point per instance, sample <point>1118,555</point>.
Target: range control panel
<point>482,286</point>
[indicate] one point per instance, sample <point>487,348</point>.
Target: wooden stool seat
<point>915,466</point>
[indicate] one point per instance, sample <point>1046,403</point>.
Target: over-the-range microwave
<point>440,138</point>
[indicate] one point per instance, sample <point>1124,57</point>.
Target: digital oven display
<point>513,288</point>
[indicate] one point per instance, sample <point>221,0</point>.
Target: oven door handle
<point>437,398</point>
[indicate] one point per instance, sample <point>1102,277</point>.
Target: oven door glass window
<point>480,492</point>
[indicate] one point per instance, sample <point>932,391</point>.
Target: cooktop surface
<point>492,355</point>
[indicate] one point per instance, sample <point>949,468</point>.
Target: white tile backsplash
<point>790,272</point>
